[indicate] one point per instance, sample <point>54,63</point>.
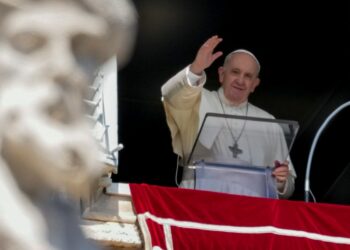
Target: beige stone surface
<point>113,235</point>
<point>120,189</point>
<point>112,206</point>
<point>111,221</point>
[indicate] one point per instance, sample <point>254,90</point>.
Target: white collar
<point>241,106</point>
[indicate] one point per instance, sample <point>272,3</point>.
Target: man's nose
<point>240,79</point>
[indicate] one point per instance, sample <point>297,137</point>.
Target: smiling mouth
<point>237,88</point>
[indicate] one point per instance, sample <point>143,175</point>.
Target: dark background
<point>304,53</point>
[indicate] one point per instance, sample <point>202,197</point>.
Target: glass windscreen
<point>244,141</point>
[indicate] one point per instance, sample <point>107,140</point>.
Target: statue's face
<point>49,53</point>
<point>57,41</point>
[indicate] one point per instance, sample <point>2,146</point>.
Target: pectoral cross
<point>235,150</point>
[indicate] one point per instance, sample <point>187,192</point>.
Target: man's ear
<point>255,84</point>
<point>221,74</point>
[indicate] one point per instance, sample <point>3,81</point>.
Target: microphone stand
<point>313,146</point>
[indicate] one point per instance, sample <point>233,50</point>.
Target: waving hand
<point>205,55</point>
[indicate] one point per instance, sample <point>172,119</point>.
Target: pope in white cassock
<point>186,103</point>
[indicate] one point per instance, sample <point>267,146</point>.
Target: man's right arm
<point>183,90</point>
<point>181,97</point>
<point>180,84</point>
<point>181,103</point>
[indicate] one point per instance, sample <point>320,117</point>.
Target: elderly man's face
<point>239,78</point>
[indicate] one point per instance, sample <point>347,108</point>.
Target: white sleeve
<point>193,79</point>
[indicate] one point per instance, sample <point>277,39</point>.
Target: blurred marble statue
<point>49,52</point>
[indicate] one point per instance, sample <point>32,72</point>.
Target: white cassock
<point>186,107</point>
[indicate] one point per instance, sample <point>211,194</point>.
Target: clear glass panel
<point>259,142</point>
<point>239,149</point>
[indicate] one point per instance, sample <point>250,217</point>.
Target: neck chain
<point>235,148</point>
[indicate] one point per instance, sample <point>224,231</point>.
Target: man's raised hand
<point>205,55</point>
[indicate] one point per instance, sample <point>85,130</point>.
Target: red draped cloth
<point>174,218</point>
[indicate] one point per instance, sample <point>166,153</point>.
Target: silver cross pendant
<point>235,150</point>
